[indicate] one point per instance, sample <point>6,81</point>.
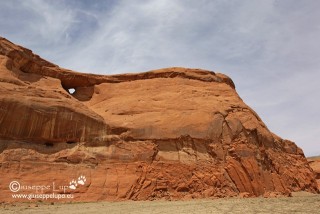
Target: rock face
<point>173,133</point>
<point>315,165</point>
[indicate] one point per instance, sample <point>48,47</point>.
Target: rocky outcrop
<point>314,163</point>
<point>173,133</point>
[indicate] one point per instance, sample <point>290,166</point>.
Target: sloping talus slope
<point>171,133</point>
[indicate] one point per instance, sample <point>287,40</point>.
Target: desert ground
<point>300,203</point>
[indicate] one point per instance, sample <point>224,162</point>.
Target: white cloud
<point>52,21</point>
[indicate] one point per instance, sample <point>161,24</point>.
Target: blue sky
<point>270,48</point>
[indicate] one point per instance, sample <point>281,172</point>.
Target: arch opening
<point>71,90</point>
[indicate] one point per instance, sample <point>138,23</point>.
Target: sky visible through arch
<point>270,48</point>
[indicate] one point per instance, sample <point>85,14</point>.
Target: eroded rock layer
<point>173,133</point>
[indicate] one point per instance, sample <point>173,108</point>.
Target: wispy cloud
<point>270,48</point>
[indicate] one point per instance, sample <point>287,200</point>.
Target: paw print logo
<point>82,179</point>
<point>73,184</point>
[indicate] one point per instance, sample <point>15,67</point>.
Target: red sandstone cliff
<point>170,133</point>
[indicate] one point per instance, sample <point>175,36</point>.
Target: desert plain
<point>301,202</point>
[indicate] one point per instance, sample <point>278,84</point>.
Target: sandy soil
<point>300,203</point>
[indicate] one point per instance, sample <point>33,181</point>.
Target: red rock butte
<point>173,133</point>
